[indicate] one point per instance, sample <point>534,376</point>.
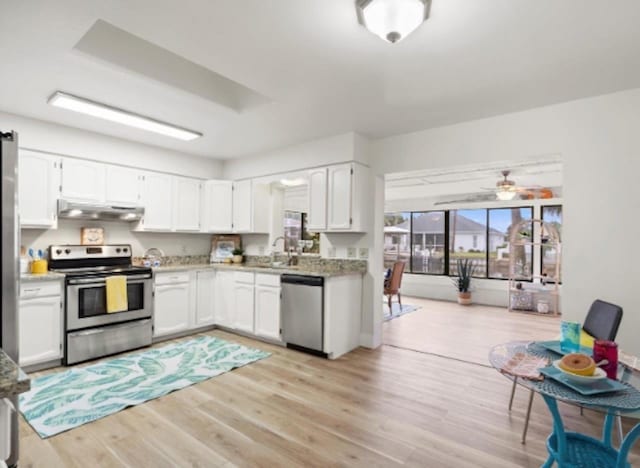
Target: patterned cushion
<point>522,300</point>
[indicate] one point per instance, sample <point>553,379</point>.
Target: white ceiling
<point>459,182</point>
<point>323,73</point>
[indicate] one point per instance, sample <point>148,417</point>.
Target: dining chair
<point>393,283</point>
<point>602,323</point>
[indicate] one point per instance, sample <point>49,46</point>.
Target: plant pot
<point>237,258</point>
<point>464,298</point>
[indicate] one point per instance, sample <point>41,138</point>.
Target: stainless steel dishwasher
<point>303,312</point>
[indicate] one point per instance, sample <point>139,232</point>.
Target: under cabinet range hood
<point>77,210</point>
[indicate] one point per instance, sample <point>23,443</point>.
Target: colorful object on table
<point>578,364</point>
<point>116,290</point>
<point>554,345</point>
<point>591,388</point>
<point>607,350</point>
<point>525,365</point>
<point>598,374</point>
<point>586,340</point>
<point>569,336</point>
<point>65,400</point>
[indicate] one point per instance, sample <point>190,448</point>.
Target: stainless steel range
<point>91,331</point>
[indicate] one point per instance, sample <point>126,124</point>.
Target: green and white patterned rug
<point>62,401</point>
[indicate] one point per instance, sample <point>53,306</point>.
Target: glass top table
<point>570,448</point>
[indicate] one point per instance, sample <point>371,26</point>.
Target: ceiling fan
<point>505,190</point>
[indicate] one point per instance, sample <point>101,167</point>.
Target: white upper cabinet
<point>123,186</point>
<point>217,201</point>
<point>39,181</point>
<point>251,207</point>
<point>339,196</point>
<point>317,219</point>
<point>187,204</point>
<point>157,199</point>
<point>242,206</point>
<point>83,181</point>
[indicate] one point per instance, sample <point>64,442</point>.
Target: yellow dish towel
<point>586,340</point>
<point>117,294</point>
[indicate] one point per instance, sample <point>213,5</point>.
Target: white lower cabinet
<point>205,298</point>
<point>244,305</point>
<point>267,310</point>
<point>224,310</point>
<point>172,304</point>
<point>40,323</point>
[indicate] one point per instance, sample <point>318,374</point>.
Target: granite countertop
<point>48,276</point>
<point>13,380</point>
<point>259,268</point>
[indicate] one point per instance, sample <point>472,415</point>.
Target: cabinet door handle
<point>31,290</point>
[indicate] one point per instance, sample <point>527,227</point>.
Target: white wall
<point>67,141</point>
<point>332,150</point>
<point>599,140</point>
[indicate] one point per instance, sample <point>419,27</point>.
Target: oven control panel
<point>77,252</point>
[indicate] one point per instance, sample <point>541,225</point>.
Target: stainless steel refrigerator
<point>10,264</point>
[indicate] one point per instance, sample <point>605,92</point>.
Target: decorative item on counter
<point>39,265</point>
<point>604,350</point>
<point>152,257</point>
<point>238,255</point>
<point>222,246</point>
<point>25,261</point>
<point>92,236</point>
<point>462,282</point>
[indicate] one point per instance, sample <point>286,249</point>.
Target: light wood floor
<point>375,408</point>
<point>464,332</point>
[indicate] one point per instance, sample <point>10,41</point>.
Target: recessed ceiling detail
<point>118,47</point>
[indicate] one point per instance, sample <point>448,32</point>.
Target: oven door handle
<point>102,281</point>
<point>97,331</point>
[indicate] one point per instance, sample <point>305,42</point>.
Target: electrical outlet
<point>364,253</point>
<point>331,253</point>
<point>352,252</point>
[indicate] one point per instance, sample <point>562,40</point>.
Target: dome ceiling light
<point>392,20</point>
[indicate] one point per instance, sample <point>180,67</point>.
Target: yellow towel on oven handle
<point>117,300</point>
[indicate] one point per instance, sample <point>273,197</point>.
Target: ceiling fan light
<point>392,20</point>
<point>506,195</point>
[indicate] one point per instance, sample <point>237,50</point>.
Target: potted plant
<point>462,282</point>
<point>238,253</point>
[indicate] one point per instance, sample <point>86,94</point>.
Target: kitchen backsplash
<point>68,232</point>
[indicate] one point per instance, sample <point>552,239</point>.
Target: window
<point>295,230</point>
<point>428,242</point>
<point>431,242</point>
<point>501,221</point>
<point>553,216</point>
<point>465,227</point>
<point>397,248</point>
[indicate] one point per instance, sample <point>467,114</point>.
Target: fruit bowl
<point>598,374</point>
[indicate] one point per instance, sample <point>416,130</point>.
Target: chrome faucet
<point>273,251</point>
<point>273,248</point>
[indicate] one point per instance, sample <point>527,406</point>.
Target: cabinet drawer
<point>264,279</point>
<point>172,278</point>
<point>246,277</point>
<point>40,289</point>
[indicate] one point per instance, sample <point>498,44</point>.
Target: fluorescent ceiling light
<point>113,114</point>
<point>392,20</point>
